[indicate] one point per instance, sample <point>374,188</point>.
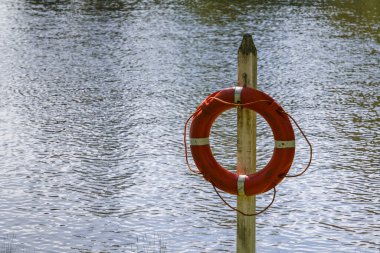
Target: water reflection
<point>94,95</point>
<point>107,5</point>
<point>357,18</point>
<point>87,5</point>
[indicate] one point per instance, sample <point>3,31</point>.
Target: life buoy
<point>284,148</point>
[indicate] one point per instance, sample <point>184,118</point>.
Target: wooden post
<point>246,146</point>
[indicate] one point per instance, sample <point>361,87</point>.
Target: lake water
<point>93,100</point>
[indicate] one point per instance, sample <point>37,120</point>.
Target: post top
<point>247,46</point>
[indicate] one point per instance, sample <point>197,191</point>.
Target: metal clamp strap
<point>285,144</point>
<point>199,141</point>
<point>240,185</point>
<point>237,95</point>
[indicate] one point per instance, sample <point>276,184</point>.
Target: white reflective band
<point>285,144</point>
<point>237,94</point>
<point>199,141</point>
<point>240,185</point>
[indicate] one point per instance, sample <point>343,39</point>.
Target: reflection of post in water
<point>246,146</point>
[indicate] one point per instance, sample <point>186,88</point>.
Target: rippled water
<point>94,96</point>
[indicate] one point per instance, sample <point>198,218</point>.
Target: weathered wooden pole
<point>246,147</point>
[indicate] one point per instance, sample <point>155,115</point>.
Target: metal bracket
<point>240,185</point>
<point>237,99</point>
<point>285,144</point>
<point>199,141</point>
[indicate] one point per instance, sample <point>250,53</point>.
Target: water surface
<point>94,96</point>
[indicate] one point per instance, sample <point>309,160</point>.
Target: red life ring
<point>284,150</point>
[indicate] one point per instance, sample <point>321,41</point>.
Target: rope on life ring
<point>284,146</point>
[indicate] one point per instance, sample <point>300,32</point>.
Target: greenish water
<point>94,96</point>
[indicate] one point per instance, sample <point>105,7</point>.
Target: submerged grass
<point>142,244</point>
<point>7,245</point>
<point>149,244</point>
